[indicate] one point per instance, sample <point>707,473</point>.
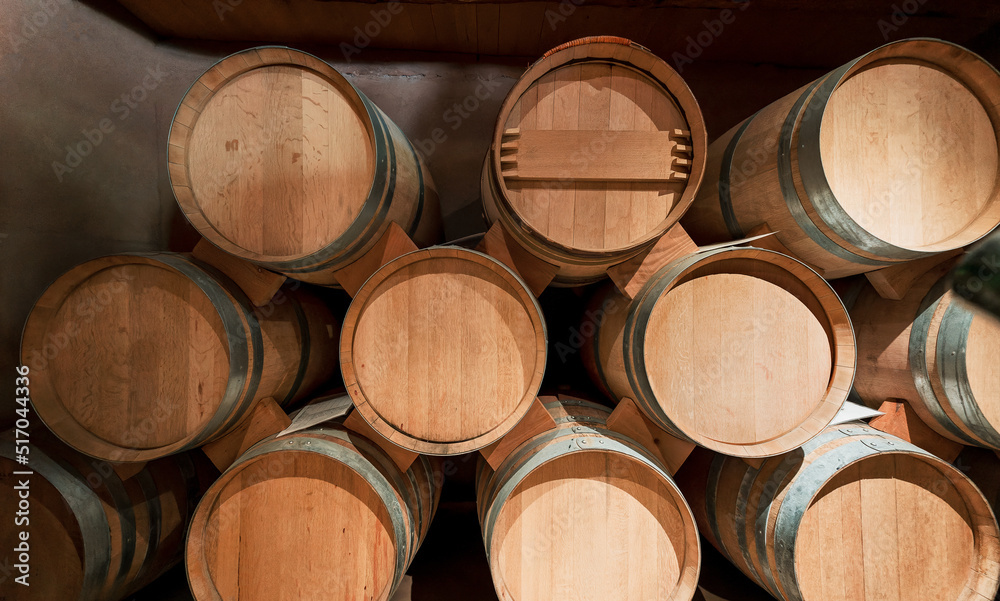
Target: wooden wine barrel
<point>889,158</point>
<point>318,514</point>
<point>276,158</point>
<point>91,535</point>
<point>599,149</point>
<point>855,515</point>
<point>745,351</point>
<point>582,512</point>
<point>934,351</point>
<point>138,356</point>
<point>443,350</point>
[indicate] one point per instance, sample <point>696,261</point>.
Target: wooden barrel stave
<point>281,350</point>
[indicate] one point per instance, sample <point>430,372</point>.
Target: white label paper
<point>317,413</point>
<point>853,412</point>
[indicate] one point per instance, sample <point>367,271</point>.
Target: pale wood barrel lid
<point>909,144</point>
<point>590,108</point>
<point>443,350</point>
<point>593,526</point>
<point>896,526</point>
<point>749,352</point>
<point>271,154</point>
<point>334,542</point>
<point>135,355</point>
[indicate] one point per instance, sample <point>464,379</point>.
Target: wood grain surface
<point>591,522</point>
<point>338,540</point>
<point>934,351</point>
<point>885,521</point>
<point>443,350</point>
<point>139,356</point>
<point>745,351</point>
<point>891,158</point>
<point>910,153</point>
<point>598,150</point>
<point>276,158</point>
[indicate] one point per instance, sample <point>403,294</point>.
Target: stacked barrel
<point>598,150</point>
<point>887,162</point>
<point>321,513</point>
<point>934,351</point>
<point>276,158</point>
<point>599,173</point>
<point>585,504</point>
<point>748,352</point>
<point>138,356</point>
<point>744,351</point>
<point>853,514</point>
<point>93,533</point>
<point>443,350</point>
<point>283,165</point>
<point>890,158</point>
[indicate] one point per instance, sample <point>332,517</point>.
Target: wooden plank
<point>630,156</point>
<point>627,419</point>
<point>259,284</point>
<point>184,18</point>
<point>894,282</point>
<point>536,273</point>
<point>400,456</point>
<point>901,421</point>
<point>537,420</point>
<point>487,28</point>
<point>266,419</point>
<point>127,470</point>
<point>393,243</point>
<point>630,276</point>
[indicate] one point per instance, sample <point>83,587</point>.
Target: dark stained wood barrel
<point>598,150</point>
<point>318,514</point>
<point>840,170</point>
<point>854,514</point>
<point>92,535</point>
<point>276,158</point>
<point>583,512</point>
<point>139,356</point>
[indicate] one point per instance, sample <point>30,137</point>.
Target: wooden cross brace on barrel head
<point>646,157</point>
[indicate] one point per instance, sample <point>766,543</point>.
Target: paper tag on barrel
<point>318,413</point>
<point>851,412</point>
